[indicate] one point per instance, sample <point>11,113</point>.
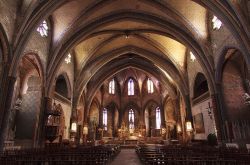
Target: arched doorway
<point>93,120</point>
<point>26,103</point>
<point>152,117</point>
<point>110,120</point>
<point>235,91</point>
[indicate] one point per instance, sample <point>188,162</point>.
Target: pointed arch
<point>131,87</point>
<point>64,81</point>
<point>200,85</point>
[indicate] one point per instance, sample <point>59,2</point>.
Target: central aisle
<point>126,157</point>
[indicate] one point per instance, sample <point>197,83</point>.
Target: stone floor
<point>126,157</point>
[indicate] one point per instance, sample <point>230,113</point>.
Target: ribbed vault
<point>163,32</point>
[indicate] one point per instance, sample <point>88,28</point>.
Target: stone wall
<point>28,115</point>
<point>8,16</point>
<point>208,121</point>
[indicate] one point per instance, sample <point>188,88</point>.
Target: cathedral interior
<point>77,73</point>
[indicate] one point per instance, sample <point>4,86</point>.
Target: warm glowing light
<point>189,126</point>
<point>85,130</point>
<point>192,56</point>
<point>178,128</point>
<point>73,127</point>
<point>216,23</point>
<point>163,131</point>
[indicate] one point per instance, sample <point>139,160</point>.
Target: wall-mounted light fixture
<point>85,130</point>
<point>189,127</point>
<point>163,131</point>
<point>73,126</point>
<point>179,128</point>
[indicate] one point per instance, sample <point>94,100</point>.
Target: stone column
<point>218,117</point>
<point>5,110</point>
<point>163,120</point>
<point>189,116</point>
<point>46,105</point>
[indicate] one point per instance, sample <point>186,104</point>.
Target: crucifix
<point>209,111</point>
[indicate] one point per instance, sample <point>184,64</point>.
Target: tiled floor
<point>127,157</point>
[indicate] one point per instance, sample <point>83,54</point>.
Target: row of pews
<point>61,155</point>
<point>180,155</point>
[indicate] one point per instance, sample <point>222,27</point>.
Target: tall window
<point>43,29</point>
<point>112,87</point>
<point>150,86</point>
<point>105,119</point>
<point>131,87</point>
<point>158,118</point>
<point>131,117</point>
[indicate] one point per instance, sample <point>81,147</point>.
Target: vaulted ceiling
<point>98,29</point>
<point>100,34</point>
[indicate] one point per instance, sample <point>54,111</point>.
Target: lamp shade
<point>73,127</point>
<point>189,126</point>
<point>178,128</point>
<point>85,130</point>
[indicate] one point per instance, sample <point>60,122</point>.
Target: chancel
<point>124,82</point>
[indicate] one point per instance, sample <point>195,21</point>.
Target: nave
<point>81,80</point>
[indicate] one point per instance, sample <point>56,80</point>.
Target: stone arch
<point>28,87</point>
<point>170,111</point>
<point>93,112</point>
<point>4,45</point>
<point>62,86</point>
<point>104,73</point>
<point>149,117</point>
<point>136,86</point>
<point>4,59</point>
<point>200,85</point>
<point>113,118</point>
<point>223,56</point>
<point>234,87</point>
<point>144,86</point>
<point>196,49</point>
<point>125,113</point>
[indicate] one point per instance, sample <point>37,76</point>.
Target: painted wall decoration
<point>199,123</point>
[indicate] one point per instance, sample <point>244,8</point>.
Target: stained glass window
<point>112,87</point>
<point>158,118</point>
<point>150,86</point>
<point>105,119</point>
<point>131,87</point>
<point>43,29</point>
<point>131,117</point>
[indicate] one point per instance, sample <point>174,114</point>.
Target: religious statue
<point>12,119</point>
